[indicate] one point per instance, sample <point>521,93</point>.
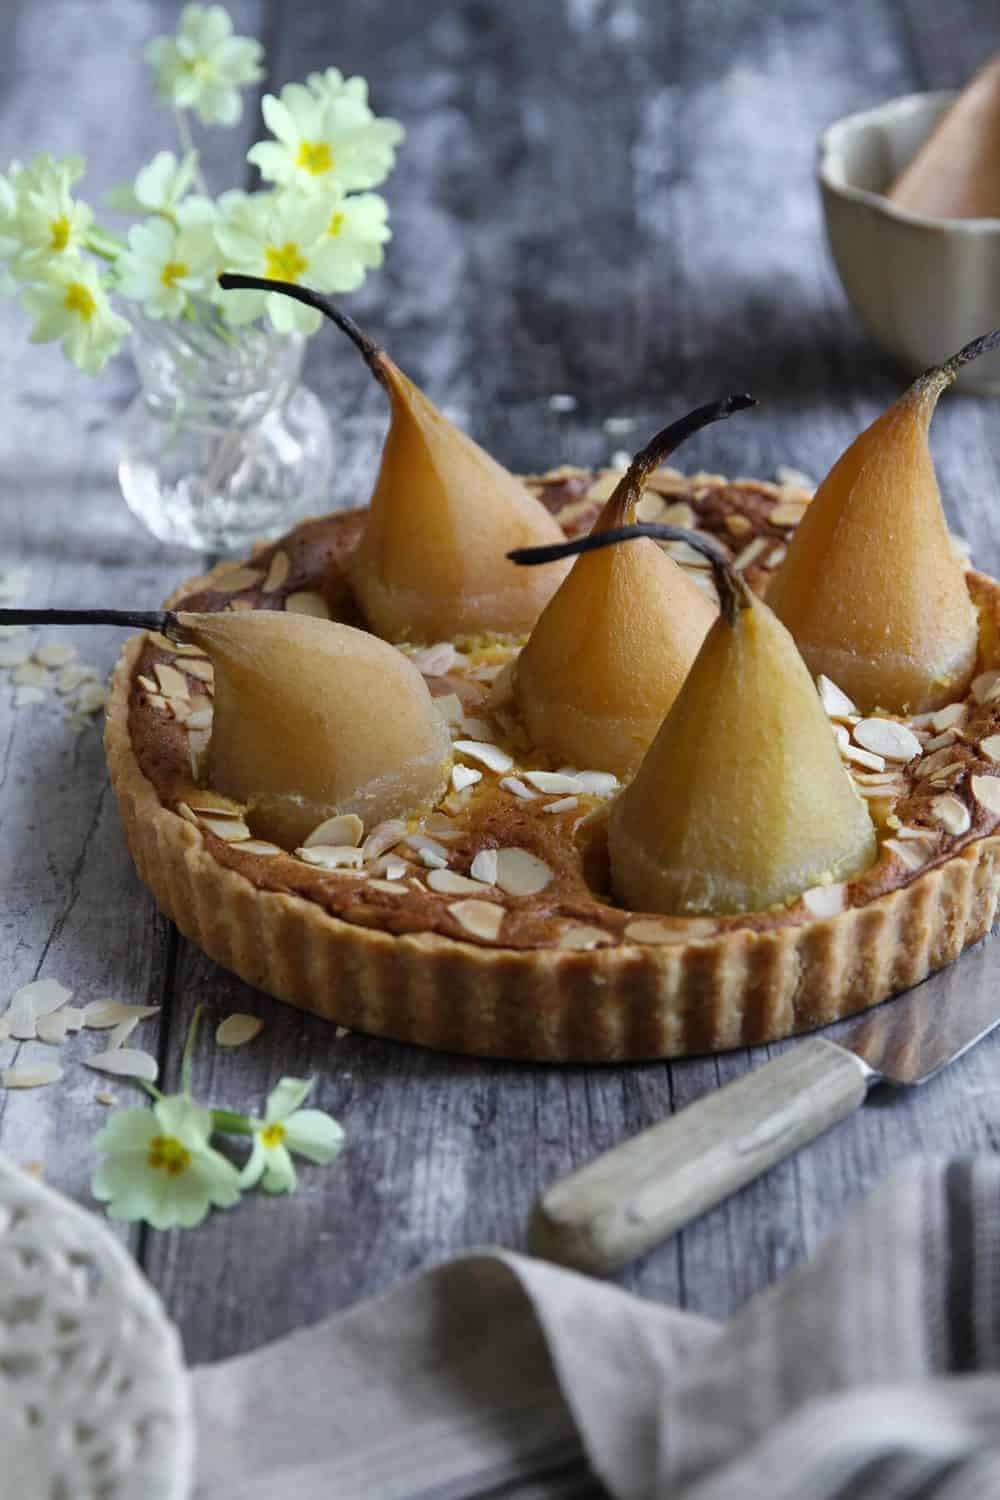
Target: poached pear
<point>431,561</point>
<point>614,643</point>
<point>871,587</point>
<point>956,172</point>
<point>313,718</point>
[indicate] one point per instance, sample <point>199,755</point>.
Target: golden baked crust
<point>701,986</point>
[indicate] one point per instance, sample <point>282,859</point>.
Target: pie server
<point>629,1199</point>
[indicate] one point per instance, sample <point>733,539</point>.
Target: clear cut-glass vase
<point>222,445</point>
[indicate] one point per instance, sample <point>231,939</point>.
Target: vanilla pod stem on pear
<point>430,564</point>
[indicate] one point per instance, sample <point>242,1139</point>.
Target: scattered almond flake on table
<point>24,697</point>
<point>124,1062</point>
<point>13,655</point>
<point>75,675</point>
<point>38,998</point>
<point>119,1035</point>
<point>31,1075</point>
<point>30,674</point>
<point>103,1097</point>
<point>238,1029</point>
<point>92,698</point>
<point>55,653</point>
<point>55,1028</point>
<point>490,756</point>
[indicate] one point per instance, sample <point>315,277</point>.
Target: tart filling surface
<point>514,856</point>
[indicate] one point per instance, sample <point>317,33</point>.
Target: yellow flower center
<point>273,1135</point>
<point>336,224</point>
<point>200,67</point>
<point>284,262</point>
<point>79,300</point>
<point>60,232</point>
<point>315,157</point>
<point>167,1152</point>
<point>171,271</point>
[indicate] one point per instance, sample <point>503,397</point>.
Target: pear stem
<point>939,377</point>
<point>629,490</point>
<point>232,281</point>
<point>165,621</point>
<point>734,591</point>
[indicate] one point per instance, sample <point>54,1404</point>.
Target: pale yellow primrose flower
<point>358,229</point>
<point>163,266</point>
<point>331,84</point>
<point>204,66</point>
<point>285,1128</point>
<point>324,143</point>
<point>283,236</point>
<point>160,1167</point>
<point>160,186</point>
<point>72,305</point>
<point>47,222</point>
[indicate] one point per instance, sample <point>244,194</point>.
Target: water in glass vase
<point>222,446</point>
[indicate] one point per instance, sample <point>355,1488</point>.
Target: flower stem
<point>189,1050</point>
<point>103,243</point>
<point>187,144</point>
<point>230,1123</point>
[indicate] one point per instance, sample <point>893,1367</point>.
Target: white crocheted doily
<point>94,1400</point>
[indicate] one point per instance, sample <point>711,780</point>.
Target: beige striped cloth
<point>872,1373</point>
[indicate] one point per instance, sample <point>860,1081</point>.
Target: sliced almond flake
<point>484,867</point>
<point>31,1075</point>
<point>786,475</point>
<point>477,729</point>
<point>24,697</point>
<point>30,674</point>
<point>55,653</point>
<point>124,1062</point>
<point>905,831</point>
<point>100,1015</point>
<point>921,721</point>
<point>865,758</point>
<point>951,717</point>
<point>147,683</point>
<point>650,507</point>
<point>825,900</point>
<point>440,826</point>
<point>952,814</point>
<point>908,853</point>
<point>561,805</point>
<point>13,655</point>
<point>448,883</point>
<point>986,790</point>
<point>261,847</point>
<point>738,525</point>
<point>344,828</point>
<point>394,868</point>
<point>750,553</point>
<point>686,555</point>
<point>598,783</point>
<point>834,700</point>
<point>775,558</point>
<point>200,718</point>
<point>234,580</point>
<point>204,800</point>
<point>877,778</point>
<point>649,930</point>
<point>889,790</point>
<point>53,1029</point>
<point>119,1035</point>
<point>553,781</point>
<point>940,741</point>
<point>185,812</point>
<point>603,487</point>
<point>92,698</point>
<point>483,919</point>
<point>521,873</point>
<point>238,1029</point>
<point>308,603</point>
<point>449,707</point>
<point>4,1028</point>
<point>787,512</point>
<point>516,786</point>
<point>990,747</point>
<point>230,830</point>
<point>435,661</point>
<point>679,513</point>
<point>331,856</point>
<point>491,756</point>
<point>157,701</point>
<point>186,648</point>
<point>384,836</point>
<point>276,573</point>
<point>160,641</point>
<point>938,763</point>
<point>986,685</point>
<point>388,886</point>
<point>886,738</point>
<point>180,708</point>
<point>584,937</point>
<point>202,670</point>
<point>421,844</point>
<point>41,997</point>
<point>173,684</point>
<point>463,776</point>
<point>104,1097</point>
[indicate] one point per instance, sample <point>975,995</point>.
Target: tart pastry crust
<point>654,987</point>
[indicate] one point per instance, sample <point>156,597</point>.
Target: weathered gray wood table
<point>607,198</point>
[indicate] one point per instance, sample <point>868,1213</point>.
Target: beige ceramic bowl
<point>922,286</point>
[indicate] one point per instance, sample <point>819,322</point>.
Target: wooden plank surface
<point>610,199</point>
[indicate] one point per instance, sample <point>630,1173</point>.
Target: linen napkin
<point>872,1373</point>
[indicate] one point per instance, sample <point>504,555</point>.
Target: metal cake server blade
<point>626,1201</point>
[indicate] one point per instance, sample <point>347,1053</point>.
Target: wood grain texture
<point>610,199</point>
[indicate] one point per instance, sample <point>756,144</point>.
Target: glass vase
<point>222,446</point>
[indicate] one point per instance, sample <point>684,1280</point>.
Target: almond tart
<point>487,925</point>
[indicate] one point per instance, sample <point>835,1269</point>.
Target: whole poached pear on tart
<point>499,899</point>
